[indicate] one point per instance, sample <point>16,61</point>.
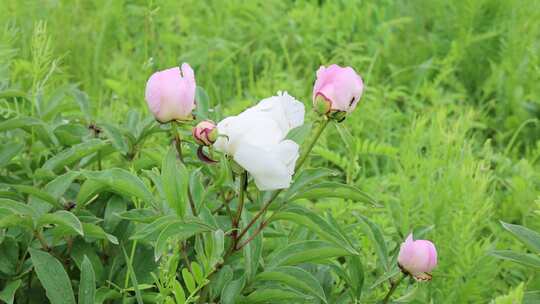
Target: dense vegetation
<point>445,138</point>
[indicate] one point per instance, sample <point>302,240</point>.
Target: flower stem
<point>393,287</point>
<point>177,140</point>
<point>311,144</point>
<point>241,198</point>
<point>299,164</point>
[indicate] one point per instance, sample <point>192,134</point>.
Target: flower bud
<point>337,89</point>
<point>170,93</point>
<point>205,133</point>
<point>417,258</point>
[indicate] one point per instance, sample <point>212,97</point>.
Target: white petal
<point>284,109</point>
<point>268,170</point>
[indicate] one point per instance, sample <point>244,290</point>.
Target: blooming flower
<point>170,93</point>
<point>205,133</point>
<point>337,89</point>
<point>256,140</point>
<point>417,258</point>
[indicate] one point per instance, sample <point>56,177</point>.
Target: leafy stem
<point>393,287</point>
<point>241,198</point>
<point>299,163</point>
<point>177,140</point>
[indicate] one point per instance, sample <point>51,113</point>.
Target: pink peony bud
<point>170,94</point>
<point>337,89</point>
<point>205,133</point>
<point>417,258</point>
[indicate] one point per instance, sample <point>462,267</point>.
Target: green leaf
<point>188,280</point>
<point>294,277</point>
<point>115,135</point>
<point>73,154</point>
<point>356,273</point>
<point>527,236</point>
<point>62,218</point>
<point>87,284</point>
<point>53,277</point>
<point>337,190</point>
<point>232,290</point>
<point>376,235</point>
<point>314,222</point>
<point>151,231</point>
<point>122,182</point>
<point>8,293</point>
<point>16,220</point>
<point>273,295</point>
<point>174,178</point>
<point>203,104</point>
<point>179,293</point>
<point>71,133</point>
<point>180,230</point>
<point>89,189</point>
<point>42,195</point>
<point>299,134</point>
<point>307,176</point>
<point>521,258</point>
<point>96,232</point>
<point>304,252</point>
<point>132,277</point>
<point>197,272</point>
<point>8,151</point>
<point>19,122</point>
<point>18,208</point>
<point>145,215</point>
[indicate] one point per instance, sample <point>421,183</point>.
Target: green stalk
<point>393,287</point>
<point>241,199</point>
<point>299,164</point>
<point>177,140</point>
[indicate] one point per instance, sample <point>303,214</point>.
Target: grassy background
<point>446,135</point>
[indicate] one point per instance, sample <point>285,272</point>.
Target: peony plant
<point>176,208</point>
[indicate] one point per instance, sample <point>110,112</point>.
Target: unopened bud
<point>205,133</point>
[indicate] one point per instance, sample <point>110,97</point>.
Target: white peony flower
<point>256,140</point>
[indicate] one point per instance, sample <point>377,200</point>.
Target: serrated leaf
<point>527,236</point>
<point>294,277</point>
<point>87,283</point>
<point>73,154</point>
<point>53,277</point>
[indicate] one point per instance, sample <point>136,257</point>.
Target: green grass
<point>446,135</point>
